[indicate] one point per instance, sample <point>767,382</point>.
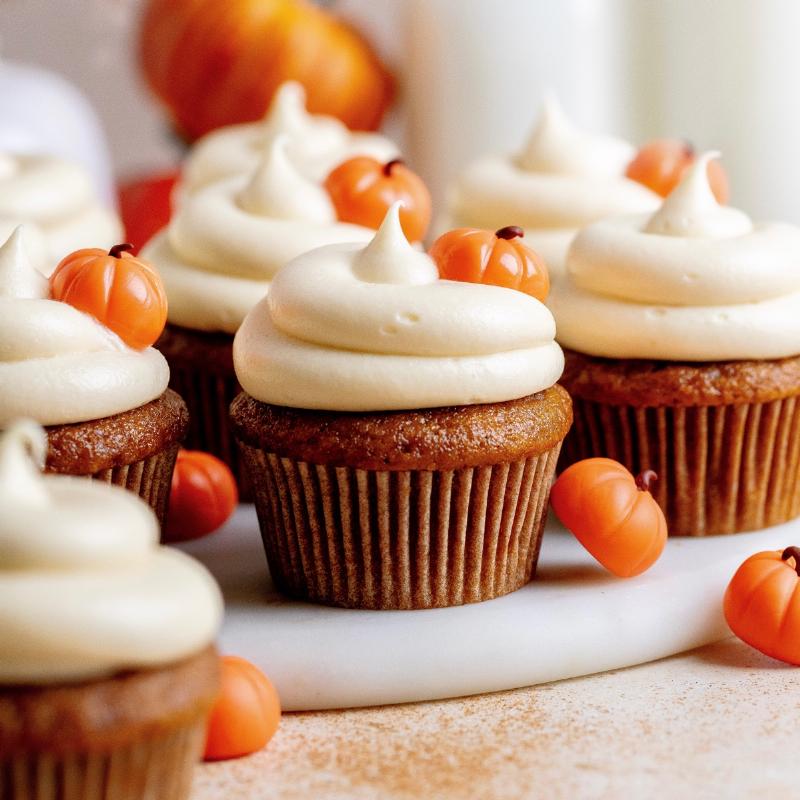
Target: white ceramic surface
<point>574,619</point>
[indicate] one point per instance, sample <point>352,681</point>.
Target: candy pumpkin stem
<point>688,148</point>
<point>510,232</point>
<point>645,480</point>
<point>389,166</point>
<point>792,552</point>
<point>118,249</point>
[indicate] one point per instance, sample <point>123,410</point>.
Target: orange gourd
<point>122,292</point>
<point>145,205</point>
<point>762,603</point>
<point>362,190</point>
<point>500,258</point>
<point>203,496</point>
<point>246,714</point>
<point>217,63</point>
<point>612,514</point>
<point>660,165</point>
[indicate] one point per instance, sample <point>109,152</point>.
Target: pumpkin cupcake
<point>107,665</point>
<point>57,196</point>
<point>217,258</point>
<point>683,338</point>
<point>562,180</point>
<point>75,356</point>
<point>316,143</point>
<point>401,431</point>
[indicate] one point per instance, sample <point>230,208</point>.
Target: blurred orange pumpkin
<point>120,291</point>
<point>145,205</point>
<point>218,63</point>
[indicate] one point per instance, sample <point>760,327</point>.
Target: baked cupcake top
<point>563,179</point>
<point>228,240</point>
<point>58,197</point>
<point>695,281</point>
<point>317,143</point>
<point>85,589</point>
<point>372,328</point>
<point>59,364</point>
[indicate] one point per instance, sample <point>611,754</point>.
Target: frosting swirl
<point>58,197</point>
<point>57,364</point>
<point>695,281</point>
<point>317,143</point>
<point>85,590</point>
<point>562,180</point>
<point>227,241</point>
<point>378,324</point>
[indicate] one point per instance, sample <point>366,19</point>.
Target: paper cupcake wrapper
<point>208,396</point>
<point>150,478</point>
<point>721,469</point>
<point>155,769</point>
<point>400,539</point>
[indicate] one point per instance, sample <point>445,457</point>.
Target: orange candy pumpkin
<point>247,712</point>
<point>203,496</point>
<point>762,603</point>
<point>500,258</point>
<point>660,165</point>
<point>363,189</point>
<point>122,292</point>
<point>218,62</point>
<point>612,514</point>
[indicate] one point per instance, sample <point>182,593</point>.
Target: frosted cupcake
<point>108,412</point>
<point>217,259</point>
<point>316,143</point>
<point>107,665</point>
<point>562,180</point>
<point>400,431</point>
<point>57,196</point>
<point>683,337</point>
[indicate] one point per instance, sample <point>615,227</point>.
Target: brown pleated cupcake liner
<point>400,539</point>
<point>150,478</point>
<point>208,395</point>
<point>721,469</point>
<point>155,769</point>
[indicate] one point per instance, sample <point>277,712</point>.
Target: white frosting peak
<point>287,112</point>
<point>277,189</point>
<point>556,146</point>
<point>23,448</point>
<point>85,590</point>
<point>691,210</point>
<point>390,258</point>
<point>18,275</point>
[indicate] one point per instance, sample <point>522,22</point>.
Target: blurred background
<point>470,75</point>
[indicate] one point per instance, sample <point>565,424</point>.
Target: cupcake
<point>562,180</point>
<point>400,431</point>
<point>57,196</point>
<point>316,143</point>
<point>682,338</point>
<point>217,258</point>
<point>104,400</point>
<point>107,665</point>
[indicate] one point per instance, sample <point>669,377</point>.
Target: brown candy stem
<point>792,552</point>
<point>645,480</point>
<point>688,149</point>
<point>390,165</point>
<point>118,249</point>
<point>510,232</point>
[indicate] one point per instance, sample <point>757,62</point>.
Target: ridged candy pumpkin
<point>218,62</point>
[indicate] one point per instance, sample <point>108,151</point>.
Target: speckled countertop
<point>720,722</point>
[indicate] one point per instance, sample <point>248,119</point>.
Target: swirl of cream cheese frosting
<point>695,281</point>
<point>317,143</point>
<point>563,179</point>
<point>58,364</point>
<point>372,328</point>
<point>57,196</point>
<point>227,241</point>
<point>85,589</point>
